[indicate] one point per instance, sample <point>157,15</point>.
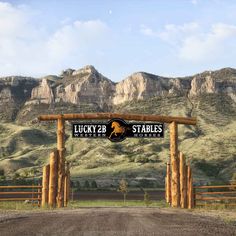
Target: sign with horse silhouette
<point>117,130</point>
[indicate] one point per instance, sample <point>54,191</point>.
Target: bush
<point>77,185</point>
<point>94,184</point>
<point>141,159</point>
<point>86,184</point>
<point>123,188</point>
<point>146,199</point>
<point>2,173</point>
<point>145,183</point>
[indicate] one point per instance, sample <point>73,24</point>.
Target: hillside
<point>210,146</point>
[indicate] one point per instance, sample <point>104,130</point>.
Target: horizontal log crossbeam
<point>20,187</point>
<point>104,116</point>
<point>215,198</point>
<point>19,199</point>
<point>23,193</point>
<point>217,186</point>
<point>216,193</point>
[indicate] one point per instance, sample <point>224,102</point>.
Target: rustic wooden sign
<point>117,130</point>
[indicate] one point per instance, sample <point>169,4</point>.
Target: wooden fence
<point>21,193</point>
<point>215,195</point>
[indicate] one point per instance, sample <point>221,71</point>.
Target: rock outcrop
<point>76,86</point>
<point>143,85</point>
<point>87,87</point>
<point>14,92</point>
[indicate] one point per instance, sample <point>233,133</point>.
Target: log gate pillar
<point>174,157</point>
<point>61,160</point>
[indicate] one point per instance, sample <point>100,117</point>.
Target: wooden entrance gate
<point>60,152</point>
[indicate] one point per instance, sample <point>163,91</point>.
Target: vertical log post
<point>66,185</point>
<point>175,190</point>
<point>39,195</point>
<point>61,160</point>
<point>183,181</point>
<point>190,188</point>
<point>168,184</point>
<point>166,189</point>
<point>53,179</point>
<point>45,185</point>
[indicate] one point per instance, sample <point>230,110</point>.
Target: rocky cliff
<point>88,90</point>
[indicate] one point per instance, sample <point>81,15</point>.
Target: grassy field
<point>77,204</point>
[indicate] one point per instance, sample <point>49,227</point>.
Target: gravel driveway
<point>112,222</point>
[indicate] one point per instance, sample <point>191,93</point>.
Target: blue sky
<point>169,38</point>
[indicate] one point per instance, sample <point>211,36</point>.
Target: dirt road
<point>112,222</point>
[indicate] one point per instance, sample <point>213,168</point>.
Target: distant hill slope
<point>209,96</point>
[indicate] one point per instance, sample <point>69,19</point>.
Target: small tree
<point>146,199</point>
<point>2,173</point>
<point>86,184</point>
<point>123,188</point>
<point>94,184</point>
<point>77,185</point>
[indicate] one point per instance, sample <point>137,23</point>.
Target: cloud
<point>195,43</point>
<point>203,47</point>
<point>174,34</point>
<point>28,48</point>
<point>75,38</point>
<point>194,2</point>
<point>147,31</point>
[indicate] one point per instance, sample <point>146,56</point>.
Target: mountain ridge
<point>88,88</point>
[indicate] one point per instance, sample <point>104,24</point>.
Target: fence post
<point>175,191</point>
<point>45,185</point>
<point>190,188</point>
<point>39,190</point>
<point>183,181</point>
<point>53,178</point>
<point>166,189</point>
<point>168,184</point>
<point>67,185</point>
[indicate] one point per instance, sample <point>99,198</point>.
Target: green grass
<point>78,204</point>
<point>217,207</point>
<point>104,203</point>
<point>16,205</point>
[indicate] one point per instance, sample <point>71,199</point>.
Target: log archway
<point>173,121</point>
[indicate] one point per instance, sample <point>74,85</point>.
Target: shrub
<point>94,184</point>
<point>77,185</point>
<point>141,159</point>
<point>86,184</point>
<point>146,199</point>
<point>2,173</point>
<point>123,188</point>
<point>145,183</point>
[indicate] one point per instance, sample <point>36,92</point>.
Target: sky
<point>163,37</point>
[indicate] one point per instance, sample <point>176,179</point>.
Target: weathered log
<point>67,185</point>
<point>53,179</point>
<point>140,117</point>
<point>190,189</point>
<point>39,195</point>
<point>166,189</point>
<point>168,183</point>
<point>45,185</point>
<point>61,160</point>
<point>183,181</point>
<point>175,189</point>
